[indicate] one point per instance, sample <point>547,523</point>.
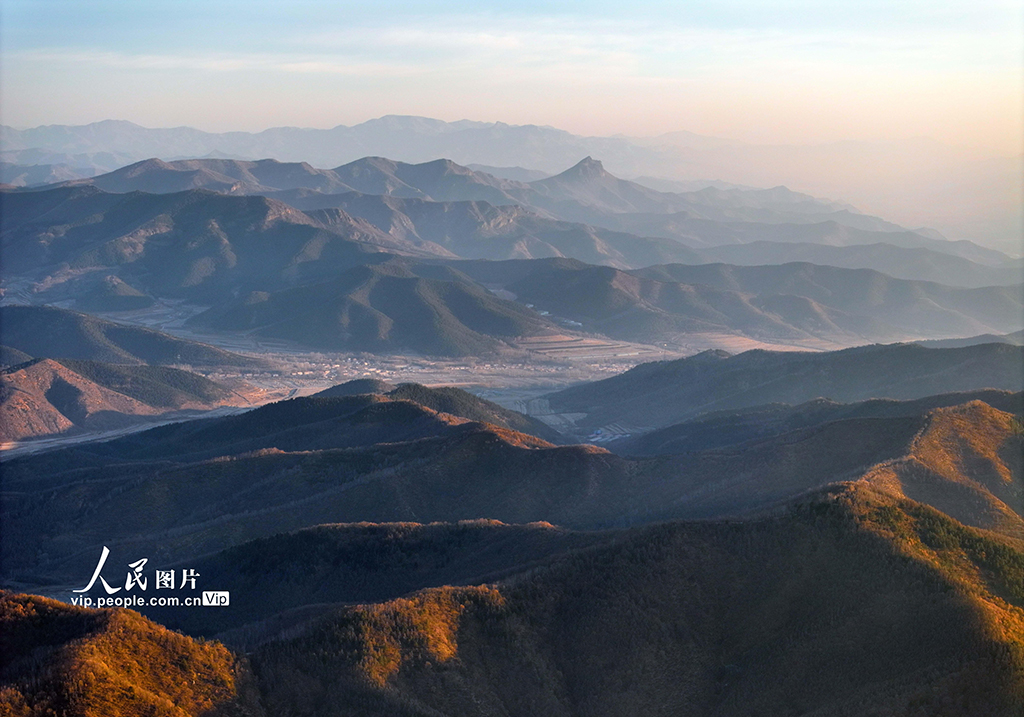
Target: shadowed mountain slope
<point>360,563</point>
<point>850,602</point>
<point>299,424</point>
<point>383,308</point>
<point>965,459</point>
<point>662,393</point>
<point>356,387</point>
<point>729,428</point>
<point>181,491</point>
<point>49,332</point>
<point>113,294</point>
<point>12,357</point>
<point>448,399</point>
<point>195,244</point>
<point>480,230</point>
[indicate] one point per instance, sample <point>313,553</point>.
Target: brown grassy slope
<point>69,661</point>
<point>855,603</point>
<point>967,461</point>
<point>44,397</point>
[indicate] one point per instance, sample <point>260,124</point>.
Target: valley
<point>405,436</point>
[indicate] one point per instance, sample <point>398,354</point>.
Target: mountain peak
<point>586,168</point>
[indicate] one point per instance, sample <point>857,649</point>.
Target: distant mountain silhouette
<point>915,263</point>
<point>1016,338</point>
<point>34,175</point>
<point>221,175</point>
<point>916,171</point>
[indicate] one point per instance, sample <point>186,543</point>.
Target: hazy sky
<point>777,72</point>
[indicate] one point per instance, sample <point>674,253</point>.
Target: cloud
<point>551,48</point>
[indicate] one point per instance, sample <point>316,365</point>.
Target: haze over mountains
<point>807,532</point>
<point>111,251</point>
<point>895,179</point>
<point>793,301</point>
<point>585,192</point>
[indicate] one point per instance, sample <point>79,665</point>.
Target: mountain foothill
<point>64,372</point>
<point>347,528</point>
<point>827,532</point>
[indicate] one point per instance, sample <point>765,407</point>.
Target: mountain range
<point>818,533</point>
<point>659,394</point>
<point>358,534</point>
<point>791,302</point>
<point>696,617</point>
<point>520,619</point>
<point>718,429</point>
<point>259,261</point>
<point>383,308</point>
<point>198,243</point>
<point>376,458</point>
<point>584,193</point>
<point>904,179</point>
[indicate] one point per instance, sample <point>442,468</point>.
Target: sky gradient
<point>778,73</point>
